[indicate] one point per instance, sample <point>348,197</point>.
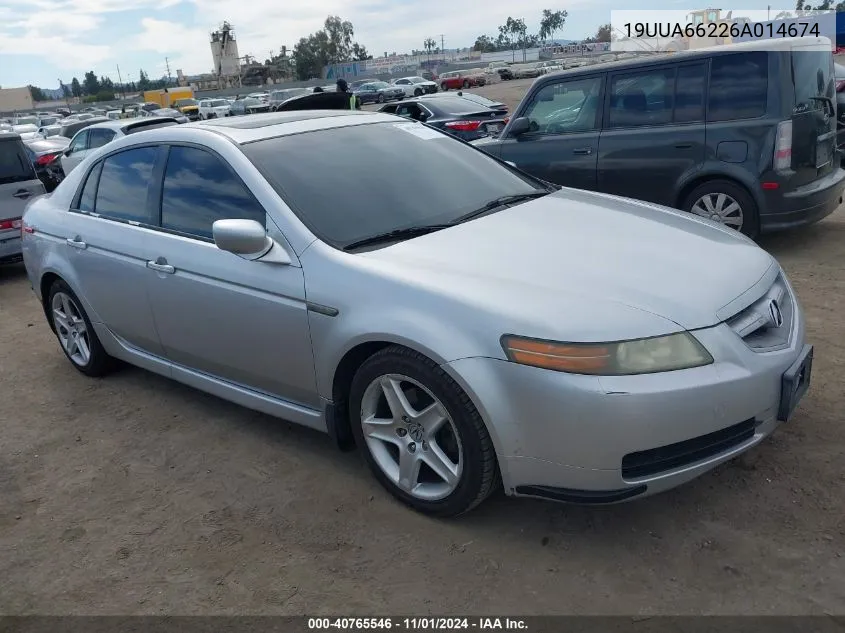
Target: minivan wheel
<point>76,336</point>
<point>726,203</point>
<point>420,434</point>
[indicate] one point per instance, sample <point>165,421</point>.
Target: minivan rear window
<point>739,84</point>
<point>15,165</point>
<point>812,72</point>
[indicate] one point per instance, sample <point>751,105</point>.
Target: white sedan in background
<point>415,86</point>
<point>214,108</point>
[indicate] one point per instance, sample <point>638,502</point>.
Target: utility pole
<point>120,79</point>
<point>442,47</point>
<point>167,63</point>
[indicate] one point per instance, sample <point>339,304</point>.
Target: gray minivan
<point>743,134</point>
<point>18,185</point>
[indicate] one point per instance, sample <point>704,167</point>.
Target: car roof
<point>259,127</point>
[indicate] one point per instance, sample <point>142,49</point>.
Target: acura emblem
<point>776,316</point>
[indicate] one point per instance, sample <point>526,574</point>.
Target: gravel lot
<point>134,495</point>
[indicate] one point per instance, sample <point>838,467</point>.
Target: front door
<point>562,142</point>
<point>654,133</point>
<point>76,151</point>
<point>242,321</point>
<point>108,245</point>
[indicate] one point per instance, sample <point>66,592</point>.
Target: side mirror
<point>519,126</point>
<point>249,240</point>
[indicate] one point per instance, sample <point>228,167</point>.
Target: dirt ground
<point>136,495</point>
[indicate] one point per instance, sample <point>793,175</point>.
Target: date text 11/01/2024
<point>424,623</point>
<point>721,29</point>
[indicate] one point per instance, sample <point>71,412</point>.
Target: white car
<point>27,131</point>
<point>214,108</point>
<point>95,136</point>
<point>46,131</point>
<point>549,67</point>
<point>415,86</point>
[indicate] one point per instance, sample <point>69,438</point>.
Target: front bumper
<point>805,205</point>
<point>588,439</point>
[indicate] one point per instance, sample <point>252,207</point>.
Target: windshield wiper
<point>500,202</point>
<point>396,235</point>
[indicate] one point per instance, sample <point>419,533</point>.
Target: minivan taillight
<point>783,146</point>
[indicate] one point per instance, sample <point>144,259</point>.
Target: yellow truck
<point>181,99</point>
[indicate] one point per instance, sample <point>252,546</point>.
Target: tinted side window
<point>739,83</point>
<point>89,192</point>
<point>565,106</point>
<point>643,98</point>
<point>199,189</point>
<point>80,141</point>
<point>124,183</point>
<point>15,165</point>
<point>689,94</point>
<point>99,137</point>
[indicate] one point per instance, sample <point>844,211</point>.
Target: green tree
<point>91,84</point>
<point>143,81</point>
<point>551,23</point>
<point>484,44</point>
<point>359,53</point>
<point>38,94</point>
<point>603,33</point>
<point>330,45</point>
<point>75,87</point>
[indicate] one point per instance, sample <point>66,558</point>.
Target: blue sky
<point>44,40</point>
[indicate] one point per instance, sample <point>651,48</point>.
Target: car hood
<point>592,251</point>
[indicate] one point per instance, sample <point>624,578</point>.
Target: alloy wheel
<point>721,208</point>
<point>411,437</point>
<point>71,329</point>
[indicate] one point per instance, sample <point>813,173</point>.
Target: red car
<point>456,80</point>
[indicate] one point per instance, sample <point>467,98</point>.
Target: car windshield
<point>404,175</point>
<point>216,103</point>
<point>378,85</point>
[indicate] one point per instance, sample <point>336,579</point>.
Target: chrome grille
<point>766,325</point>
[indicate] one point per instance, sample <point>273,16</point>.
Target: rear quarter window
<point>739,84</point>
<point>15,165</point>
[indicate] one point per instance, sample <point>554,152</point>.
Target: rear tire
<point>444,87</point>
<point>417,92</point>
<point>443,465</point>
<point>74,332</point>
<point>717,200</point>
<point>465,84</point>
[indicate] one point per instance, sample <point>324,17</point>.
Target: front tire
<point>420,434</point>
<point>444,87</point>
<point>727,203</point>
<point>73,329</point>
<point>380,99</point>
<point>466,84</point>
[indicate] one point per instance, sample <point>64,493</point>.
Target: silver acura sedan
<point>467,326</point>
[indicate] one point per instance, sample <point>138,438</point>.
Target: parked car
<point>189,107</point>
<point>249,105</point>
<point>456,79</point>
<point>469,96</point>
<point>378,92</point>
<point>48,119</point>
<point>167,113</point>
<point>96,136</point>
<point>529,70</point>
<point>149,106</point>
<point>670,360</point>
<point>18,185</point>
<point>415,86</point>
<point>70,125</point>
<point>85,116</point>
<point>455,115</point>
<point>500,68</point>
<point>839,78</point>
<point>752,158</point>
<point>50,130</point>
<point>429,75</point>
<point>214,108</point>
<point>549,66</point>
<point>25,119</point>
<point>45,155</point>
<point>261,96</point>
<point>64,111</point>
<point>26,130</point>
<point>278,97</point>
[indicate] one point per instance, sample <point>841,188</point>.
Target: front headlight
<point>619,358</point>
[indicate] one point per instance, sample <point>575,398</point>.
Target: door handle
<point>683,146</point>
<point>76,242</point>
<point>22,194</point>
<point>161,266</point>
<point>583,150</point>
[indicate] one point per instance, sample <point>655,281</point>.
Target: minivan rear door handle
<point>683,146</point>
<point>583,150</point>
<point>23,194</point>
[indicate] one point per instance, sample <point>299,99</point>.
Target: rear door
<point>18,185</point>
<point>813,114</point>
<point>561,145</point>
<point>654,131</point>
